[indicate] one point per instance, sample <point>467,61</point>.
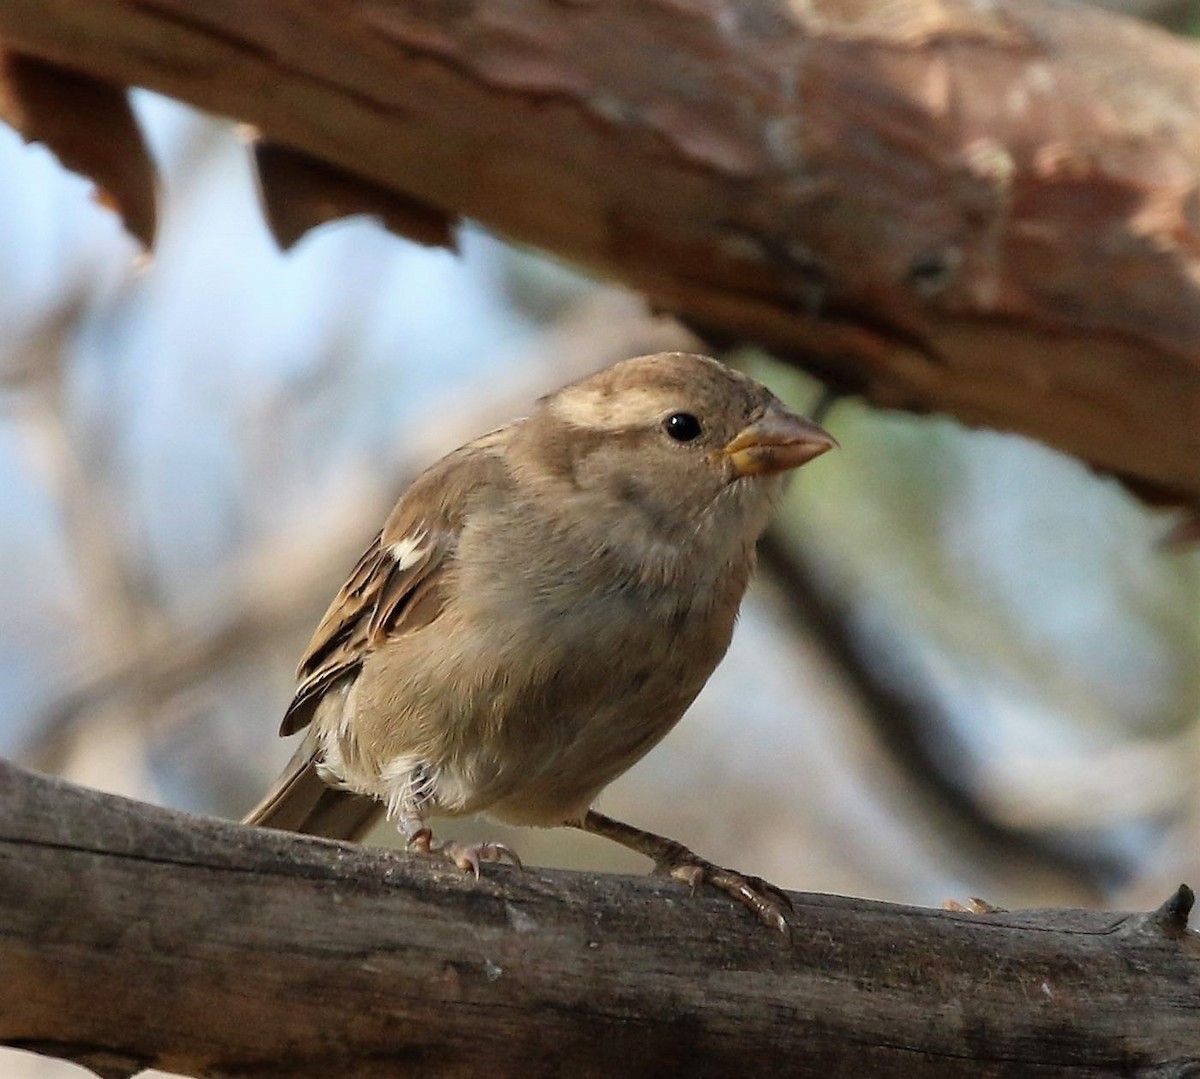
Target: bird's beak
<point>781,440</point>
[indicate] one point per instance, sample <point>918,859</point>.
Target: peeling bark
<point>90,128</point>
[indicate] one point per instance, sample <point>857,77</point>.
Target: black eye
<point>682,426</point>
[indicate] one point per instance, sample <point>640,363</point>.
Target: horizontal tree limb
<point>132,936</point>
<point>988,210</point>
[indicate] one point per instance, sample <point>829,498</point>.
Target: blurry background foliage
<point>966,668</point>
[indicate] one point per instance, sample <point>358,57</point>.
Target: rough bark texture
<point>985,209</point>
<point>131,936</point>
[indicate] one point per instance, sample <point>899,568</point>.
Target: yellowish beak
<point>781,440</point>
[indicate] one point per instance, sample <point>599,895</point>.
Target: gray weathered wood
<point>132,936</point>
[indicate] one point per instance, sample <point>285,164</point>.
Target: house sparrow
<point>539,610</point>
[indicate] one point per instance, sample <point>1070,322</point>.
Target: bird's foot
<point>673,859</point>
<point>467,856</point>
<point>766,901</point>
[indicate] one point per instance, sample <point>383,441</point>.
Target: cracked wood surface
<point>132,936</point>
<point>989,210</point>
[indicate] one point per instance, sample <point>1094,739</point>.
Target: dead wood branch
<point>133,937</point>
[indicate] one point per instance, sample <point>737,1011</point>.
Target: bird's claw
<point>974,905</point>
<point>467,856</point>
<point>763,898</point>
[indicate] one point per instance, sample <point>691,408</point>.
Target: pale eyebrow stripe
<point>590,408</point>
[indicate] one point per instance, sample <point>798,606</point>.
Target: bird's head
<point>680,442</point>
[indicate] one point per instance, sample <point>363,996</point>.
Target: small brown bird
<point>539,610</point>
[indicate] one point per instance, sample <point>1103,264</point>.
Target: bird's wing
<point>397,586</point>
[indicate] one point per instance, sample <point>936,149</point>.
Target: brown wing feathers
<point>367,609</point>
<point>396,585</point>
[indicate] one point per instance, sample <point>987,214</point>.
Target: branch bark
<point>984,209</point>
<point>132,937</point>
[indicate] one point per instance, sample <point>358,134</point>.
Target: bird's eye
<point>682,426</point>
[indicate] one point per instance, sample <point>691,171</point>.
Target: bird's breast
<point>573,687</point>
<point>547,675</point>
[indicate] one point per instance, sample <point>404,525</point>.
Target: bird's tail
<point>300,801</point>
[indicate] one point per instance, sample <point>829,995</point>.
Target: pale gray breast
<point>583,667</point>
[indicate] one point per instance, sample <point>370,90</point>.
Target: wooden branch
<point>983,209</point>
<point>133,937</point>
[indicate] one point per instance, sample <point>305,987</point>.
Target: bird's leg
<point>675,860</point>
<point>467,856</point>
